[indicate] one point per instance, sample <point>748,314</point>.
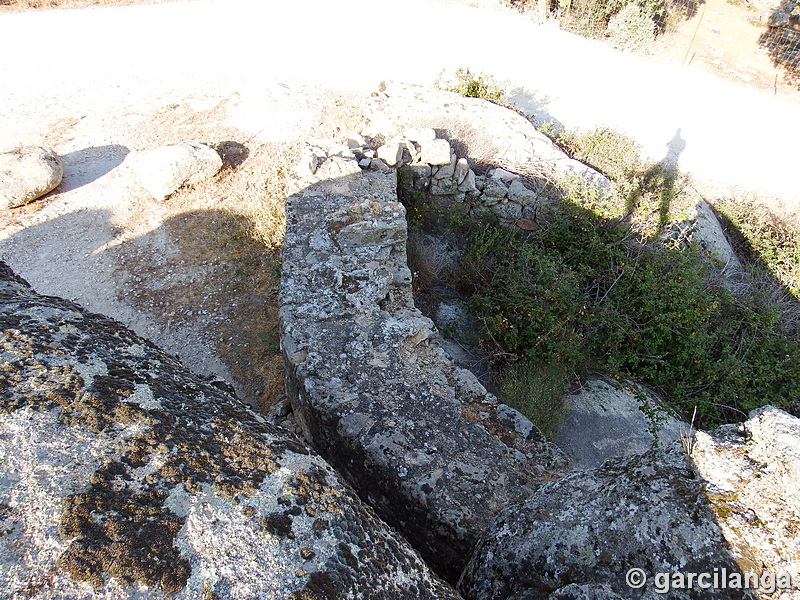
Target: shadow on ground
<point>90,164</point>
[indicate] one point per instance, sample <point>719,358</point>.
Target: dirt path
<point>722,39</point>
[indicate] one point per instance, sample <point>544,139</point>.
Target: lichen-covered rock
<point>27,173</point>
<point>162,171</point>
<point>646,512</point>
<point>584,592</point>
<point>420,439</point>
<point>753,475</point>
<point>126,476</point>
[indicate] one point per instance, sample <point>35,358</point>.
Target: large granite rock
<point>27,173</point>
<point>163,170</point>
<point>602,421</point>
<point>126,476</point>
<point>733,510</point>
<point>420,439</point>
<point>646,512</point>
<point>704,229</point>
<point>752,472</point>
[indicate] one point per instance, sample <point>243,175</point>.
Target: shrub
<point>606,149</point>
<point>593,19</point>
<point>478,85</point>
<point>631,29</point>
<point>580,294</point>
<point>595,289</point>
<point>764,238</point>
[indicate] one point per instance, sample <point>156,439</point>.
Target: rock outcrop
<point>27,173</point>
<point>126,476</point>
<point>162,171</point>
<point>704,229</point>
<point>603,421</point>
<point>420,439</point>
<point>732,511</point>
<point>752,474</point>
<point>644,512</point>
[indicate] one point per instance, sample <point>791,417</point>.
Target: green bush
<point>651,197</point>
<point>607,150</point>
<point>594,289</point>
<point>581,295</point>
<point>632,29</point>
<point>599,14</point>
<point>478,85</point>
<point>764,238</point>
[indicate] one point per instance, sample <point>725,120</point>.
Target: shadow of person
<point>674,149</point>
<point>659,180</point>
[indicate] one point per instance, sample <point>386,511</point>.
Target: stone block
<point>434,152</point>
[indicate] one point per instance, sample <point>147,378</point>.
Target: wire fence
<point>783,46</point>
<point>595,19</point>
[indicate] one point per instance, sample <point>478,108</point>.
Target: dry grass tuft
<point>428,259</point>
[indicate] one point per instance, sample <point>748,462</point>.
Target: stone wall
<point>420,439</point>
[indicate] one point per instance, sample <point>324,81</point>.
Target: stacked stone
<point>436,455</point>
<point>430,165</point>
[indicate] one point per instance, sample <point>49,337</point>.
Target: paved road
<point>57,64</point>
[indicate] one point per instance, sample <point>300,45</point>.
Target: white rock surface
<point>27,173</point>
<point>435,152</point>
<point>162,171</point>
<point>752,472</point>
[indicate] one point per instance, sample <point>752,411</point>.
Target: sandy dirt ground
<point>99,84</point>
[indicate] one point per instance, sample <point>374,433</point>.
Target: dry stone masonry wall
<point>420,439</point>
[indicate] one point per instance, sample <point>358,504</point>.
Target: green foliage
<point>580,294</point>
<point>606,149</point>
<point>594,288</point>
<point>537,391</point>
<point>649,197</point>
<point>764,238</point>
<point>478,85</point>
<point>635,19</point>
<point>632,29</point>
